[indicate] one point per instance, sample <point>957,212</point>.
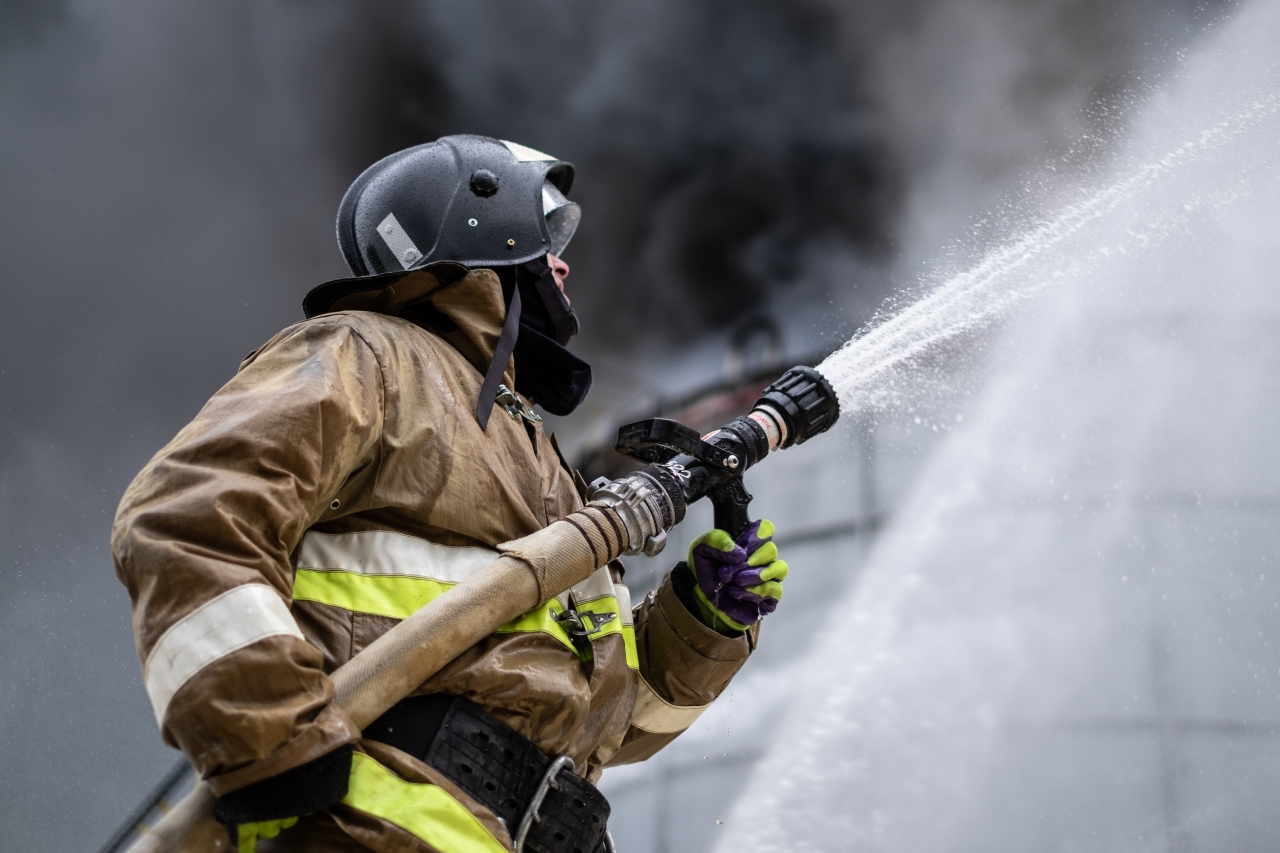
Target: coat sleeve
<point>684,666</point>
<point>203,540</point>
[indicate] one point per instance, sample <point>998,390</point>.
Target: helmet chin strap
<point>501,354</point>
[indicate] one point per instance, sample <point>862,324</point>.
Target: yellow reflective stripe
<point>396,596</point>
<point>605,604</point>
<point>540,620</point>
<point>427,811</point>
<point>629,643</point>
<point>609,604</point>
<point>400,596</point>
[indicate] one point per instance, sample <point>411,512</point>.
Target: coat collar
<point>465,307</point>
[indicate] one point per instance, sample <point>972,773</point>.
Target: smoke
<point>170,174</point>
<point>713,141</point>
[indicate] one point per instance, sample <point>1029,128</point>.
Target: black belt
<point>502,770</point>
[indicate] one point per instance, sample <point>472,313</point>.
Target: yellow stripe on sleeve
<point>426,811</point>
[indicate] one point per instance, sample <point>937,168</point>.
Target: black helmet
<point>460,203</point>
<point>469,200</point>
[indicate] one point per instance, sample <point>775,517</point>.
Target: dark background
<point>169,175</point>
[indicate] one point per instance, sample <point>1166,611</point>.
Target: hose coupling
<point>643,506</point>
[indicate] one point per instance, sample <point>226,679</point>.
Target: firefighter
<point>361,463</point>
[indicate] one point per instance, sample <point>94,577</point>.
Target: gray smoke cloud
<point>169,176</point>
<point>713,143</point>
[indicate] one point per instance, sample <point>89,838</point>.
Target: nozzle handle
<point>731,501</point>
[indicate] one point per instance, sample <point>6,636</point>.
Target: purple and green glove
<point>737,582</point>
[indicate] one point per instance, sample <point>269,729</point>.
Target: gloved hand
<point>247,834</point>
<point>738,582</point>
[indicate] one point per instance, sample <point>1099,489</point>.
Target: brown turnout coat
<point>334,485</point>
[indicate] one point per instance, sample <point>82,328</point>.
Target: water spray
<point>806,401</point>
<point>999,283</point>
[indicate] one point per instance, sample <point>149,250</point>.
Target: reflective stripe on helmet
<point>233,620</point>
<point>399,241</point>
<point>658,716</point>
<point>427,812</point>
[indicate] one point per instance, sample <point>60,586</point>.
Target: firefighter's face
<point>559,271</point>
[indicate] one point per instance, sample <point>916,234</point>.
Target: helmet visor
<point>562,217</point>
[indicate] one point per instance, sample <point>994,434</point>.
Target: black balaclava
<point>546,372</point>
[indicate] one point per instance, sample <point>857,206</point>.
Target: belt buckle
<point>531,814</point>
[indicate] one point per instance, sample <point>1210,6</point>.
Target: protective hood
<point>546,372</point>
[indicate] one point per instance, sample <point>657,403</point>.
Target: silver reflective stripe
<point>217,628</point>
<point>385,552</point>
<point>523,153</point>
<point>623,594</point>
<point>398,241</point>
<point>600,585</point>
<point>658,716</point>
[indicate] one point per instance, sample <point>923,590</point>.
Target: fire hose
<point>631,515</point>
